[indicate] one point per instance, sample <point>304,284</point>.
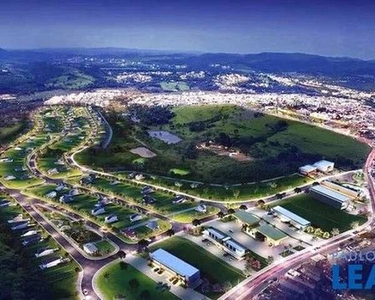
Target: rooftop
<point>323,163</point>
<point>329,193</point>
<point>173,263</point>
<point>271,232</point>
<point>292,216</point>
<point>246,217</point>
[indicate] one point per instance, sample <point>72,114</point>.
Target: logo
<point>356,273</point>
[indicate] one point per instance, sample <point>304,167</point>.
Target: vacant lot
<point>320,214</point>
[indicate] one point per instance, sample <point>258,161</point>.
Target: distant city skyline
<point>337,28</point>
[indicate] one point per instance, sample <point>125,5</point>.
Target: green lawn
<point>104,247</point>
<point>320,214</point>
<point>189,216</point>
<point>117,283</point>
<point>263,140</point>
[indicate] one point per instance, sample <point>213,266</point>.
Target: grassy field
<point>189,216</point>
<point>320,215</point>
<point>262,140</point>
<point>104,247</point>
<point>212,268</point>
<point>117,283</point>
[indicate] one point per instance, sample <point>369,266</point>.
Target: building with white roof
<point>225,242</point>
<point>329,196</point>
<point>324,166</point>
<point>307,169</point>
<point>186,272</point>
<point>288,216</point>
<point>90,248</point>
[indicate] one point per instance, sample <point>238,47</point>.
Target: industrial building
<point>350,192</point>
<point>329,196</point>
<point>269,234</point>
<point>177,267</point>
<point>288,216</point>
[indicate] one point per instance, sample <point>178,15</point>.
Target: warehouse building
<point>288,216</point>
<point>269,234</point>
<point>177,267</point>
<point>329,196</point>
<point>350,192</point>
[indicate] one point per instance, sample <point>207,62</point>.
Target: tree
<point>243,207</point>
<point>121,254</point>
<point>310,229</point>
<point>231,211</point>
<point>142,244</point>
<point>227,286</point>
<point>145,295</point>
<point>123,265</point>
<point>236,193</point>
<point>326,235</point>
<point>133,283</point>
<point>318,232</point>
<point>354,224</point>
<point>270,259</point>
<point>260,203</point>
<point>196,222</point>
<point>297,190</point>
<point>170,232</point>
<point>106,276</point>
<point>335,231</point>
<point>220,214</point>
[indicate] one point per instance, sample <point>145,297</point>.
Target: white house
<point>17,218</point>
<point>201,208</point>
<point>98,211</point>
<point>307,169</point>
<point>20,225</point>
<point>29,233</point>
<point>51,194</point>
<point>324,166</point>
<point>52,262</point>
<point>44,252</point>
<point>135,217</point>
<point>90,248</point>
<point>110,219</point>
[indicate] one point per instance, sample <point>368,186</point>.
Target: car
<point>85,292</point>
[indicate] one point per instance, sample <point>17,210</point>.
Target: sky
<point>331,27</point>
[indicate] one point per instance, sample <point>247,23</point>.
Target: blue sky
<point>337,28</point>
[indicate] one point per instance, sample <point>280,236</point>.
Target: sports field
<point>320,215</point>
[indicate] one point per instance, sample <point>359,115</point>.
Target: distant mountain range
<point>265,62</point>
